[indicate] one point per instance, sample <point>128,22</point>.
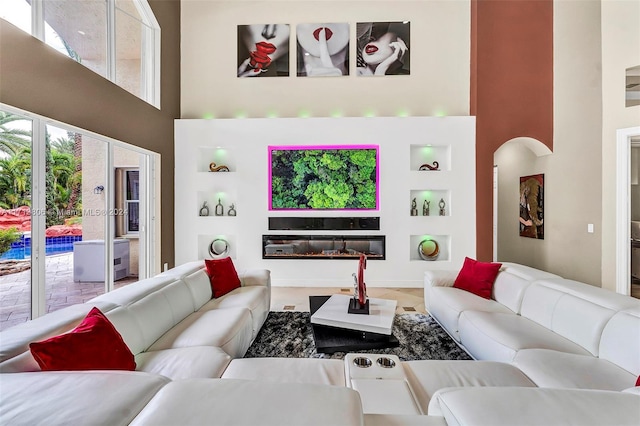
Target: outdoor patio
<point>61,290</point>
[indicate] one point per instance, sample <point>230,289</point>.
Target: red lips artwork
<point>260,59</point>
<point>327,33</point>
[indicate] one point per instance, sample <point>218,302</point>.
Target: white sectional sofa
<point>560,333</point>
<point>169,322</point>
<point>538,365</point>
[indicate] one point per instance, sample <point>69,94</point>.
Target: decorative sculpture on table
<point>359,304</point>
<point>219,208</point>
<point>425,208</point>
<point>213,167</point>
<point>204,210</point>
<point>428,167</point>
<point>414,208</point>
<point>441,204</point>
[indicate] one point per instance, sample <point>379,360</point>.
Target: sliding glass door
<point>16,145</point>
<point>75,218</point>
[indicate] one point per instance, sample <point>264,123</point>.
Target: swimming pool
<point>21,249</point>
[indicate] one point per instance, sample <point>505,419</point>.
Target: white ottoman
<point>427,377</point>
<point>287,370</point>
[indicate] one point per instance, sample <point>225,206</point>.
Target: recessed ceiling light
<point>81,32</point>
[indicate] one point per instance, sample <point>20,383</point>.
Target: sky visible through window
<point>18,12</point>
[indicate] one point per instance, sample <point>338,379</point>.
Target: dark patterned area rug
<point>289,335</point>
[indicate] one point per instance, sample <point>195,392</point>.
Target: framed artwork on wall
<point>322,49</point>
<point>532,206</point>
<point>383,48</point>
<point>263,50</point>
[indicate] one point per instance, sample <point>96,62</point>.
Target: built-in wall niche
<point>443,248</point>
<point>426,155</point>
<point>434,198</point>
<point>248,141</point>
<point>214,159</point>
<point>216,246</point>
<point>217,203</point>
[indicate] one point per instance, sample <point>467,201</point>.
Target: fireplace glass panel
<point>323,246</point>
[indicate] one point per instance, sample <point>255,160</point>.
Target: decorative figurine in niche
<point>219,247</point>
<point>204,210</point>
<point>428,249</point>
<point>425,208</point>
<point>359,304</point>
<point>213,167</point>
<point>428,167</point>
<point>219,208</point>
<point>232,210</point>
<point>414,208</point>
<point>441,204</point>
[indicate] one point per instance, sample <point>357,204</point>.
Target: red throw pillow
<point>223,276</point>
<point>477,277</point>
<point>638,381</point>
<point>94,344</point>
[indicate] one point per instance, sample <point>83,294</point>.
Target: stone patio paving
<point>60,291</point>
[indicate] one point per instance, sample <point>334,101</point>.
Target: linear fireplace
<point>323,246</point>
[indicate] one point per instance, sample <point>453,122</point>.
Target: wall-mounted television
<point>324,177</point>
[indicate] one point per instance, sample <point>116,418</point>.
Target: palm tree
<point>75,199</point>
<point>63,159</point>
<point>12,140</point>
<point>15,181</point>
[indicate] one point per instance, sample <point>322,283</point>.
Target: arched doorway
<point>513,159</point>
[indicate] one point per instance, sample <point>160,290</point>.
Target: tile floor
<point>61,290</point>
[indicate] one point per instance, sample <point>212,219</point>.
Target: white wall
<point>245,145</point>
<point>620,50</point>
<point>440,61</point>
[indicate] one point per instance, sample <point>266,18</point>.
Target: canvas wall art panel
<point>383,48</point>
<point>263,50</point>
<point>322,49</point>
<point>532,206</point>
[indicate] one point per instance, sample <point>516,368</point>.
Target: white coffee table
<point>334,313</point>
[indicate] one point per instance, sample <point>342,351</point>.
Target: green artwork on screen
<point>330,178</point>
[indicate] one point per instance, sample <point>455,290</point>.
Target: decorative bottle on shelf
<point>232,210</point>
<point>425,208</point>
<point>219,208</point>
<point>414,208</point>
<point>441,204</point>
<point>204,210</point>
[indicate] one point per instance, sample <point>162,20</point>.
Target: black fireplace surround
<point>323,246</point>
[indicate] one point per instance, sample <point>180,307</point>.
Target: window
<point>118,39</point>
<point>132,201</point>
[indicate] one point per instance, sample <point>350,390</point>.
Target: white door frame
<point>623,205</point>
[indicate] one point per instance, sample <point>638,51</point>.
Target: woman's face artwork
<point>378,50</point>
<point>337,36</point>
<point>271,37</point>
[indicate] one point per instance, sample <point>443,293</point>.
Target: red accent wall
<point>511,89</point>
